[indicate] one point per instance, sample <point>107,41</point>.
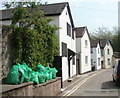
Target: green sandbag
<point>54,71</point>
<point>34,77</point>
<point>42,77</point>
<point>13,75</point>
<point>46,75</point>
<point>40,68</point>
<point>27,72</point>
<point>49,70</point>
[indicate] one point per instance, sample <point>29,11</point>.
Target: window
<point>68,30</point>
<point>108,61</point>
<point>108,51</point>
<point>64,49</point>
<point>91,50</point>
<point>102,52</point>
<point>92,62</point>
<point>102,62</point>
<point>86,59</point>
<point>86,43</point>
<point>72,34</point>
<point>73,60</point>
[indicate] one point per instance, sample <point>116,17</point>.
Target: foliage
<point>102,33</point>
<point>112,35</point>
<point>34,39</point>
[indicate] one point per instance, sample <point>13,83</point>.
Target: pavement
<point>76,80</point>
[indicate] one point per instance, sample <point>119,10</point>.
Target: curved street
<point>98,84</point>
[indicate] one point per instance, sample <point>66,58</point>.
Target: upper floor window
<point>102,52</point>
<point>68,30</point>
<point>86,43</point>
<point>108,51</point>
<point>64,49</point>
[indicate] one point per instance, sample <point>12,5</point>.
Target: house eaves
<point>48,9</point>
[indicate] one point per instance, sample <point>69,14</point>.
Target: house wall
<point>61,21</point>
<point>108,56</point>
<point>84,51</point>
<point>64,19</point>
<point>95,56</point>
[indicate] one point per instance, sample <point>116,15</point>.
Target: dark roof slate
<point>79,31</point>
<point>103,43</point>
<point>94,43</point>
<point>48,9</point>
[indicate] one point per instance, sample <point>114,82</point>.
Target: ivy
<point>34,39</point>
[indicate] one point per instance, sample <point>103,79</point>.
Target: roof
<point>80,31</point>
<point>103,43</point>
<point>48,9</point>
<point>94,43</point>
<point>116,54</point>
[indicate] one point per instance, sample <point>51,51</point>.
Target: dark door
<point>69,67</point>
<point>77,66</point>
<point>57,63</point>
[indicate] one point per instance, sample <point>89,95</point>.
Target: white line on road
<point>80,84</point>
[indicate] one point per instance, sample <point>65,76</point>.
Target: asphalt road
<point>99,84</point>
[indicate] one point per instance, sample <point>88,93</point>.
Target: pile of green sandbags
<point>21,73</point>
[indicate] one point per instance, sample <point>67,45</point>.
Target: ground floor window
<point>98,61</point>
<point>108,61</point>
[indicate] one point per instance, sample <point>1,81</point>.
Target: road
<point>99,84</point>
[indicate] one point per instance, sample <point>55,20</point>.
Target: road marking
<point>80,84</point>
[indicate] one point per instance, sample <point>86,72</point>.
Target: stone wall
<point>50,88</point>
<point>6,52</point>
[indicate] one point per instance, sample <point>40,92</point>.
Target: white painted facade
<point>84,52</point>
<point>107,56</point>
<point>61,22</point>
<point>96,57</point>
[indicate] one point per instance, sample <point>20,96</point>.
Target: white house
<point>95,55</point>
<point>62,18</point>
<point>83,50</point>
<point>106,53</point>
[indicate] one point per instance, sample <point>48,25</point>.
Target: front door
<point>77,66</point>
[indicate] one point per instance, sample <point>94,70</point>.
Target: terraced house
<point>95,55</point>
<point>83,49</point>
<point>106,53</point>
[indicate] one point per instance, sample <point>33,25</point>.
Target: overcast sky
<point>91,13</point>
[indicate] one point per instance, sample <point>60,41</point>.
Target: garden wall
<point>50,88</point>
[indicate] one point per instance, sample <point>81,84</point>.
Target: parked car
<point>116,73</point>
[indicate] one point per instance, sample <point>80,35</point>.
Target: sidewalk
<point>77,79</point>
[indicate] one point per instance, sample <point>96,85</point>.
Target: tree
<point>112,35</point>
<point>34,39</point>
<point>116,40</point>
<point>102,33</point>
